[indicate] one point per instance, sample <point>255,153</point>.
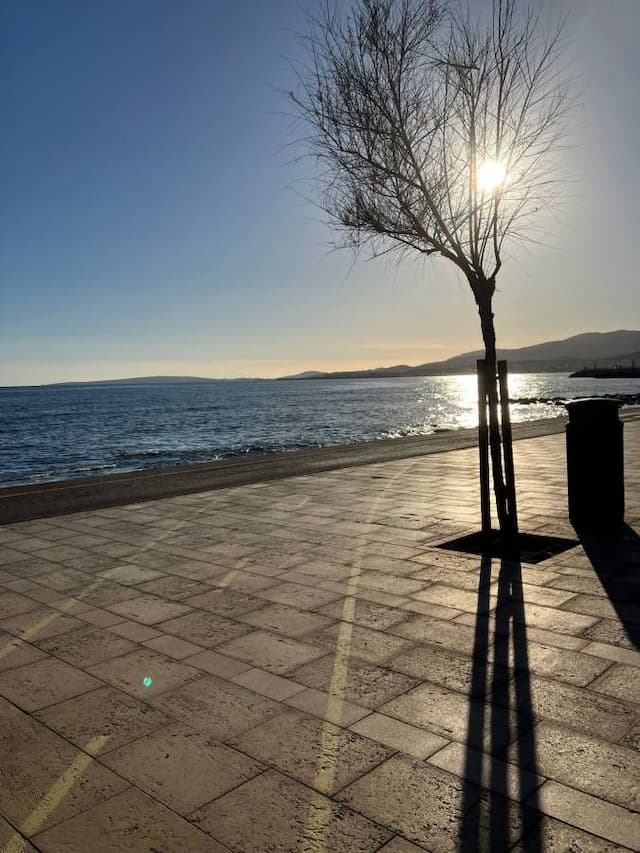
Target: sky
<point>154,216</point>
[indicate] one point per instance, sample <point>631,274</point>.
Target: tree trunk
<point>484,295</point>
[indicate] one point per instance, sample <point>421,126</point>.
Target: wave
<point>73,469</point>
<point>143,454</point>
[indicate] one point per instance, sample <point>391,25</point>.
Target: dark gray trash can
<point>595,463</point>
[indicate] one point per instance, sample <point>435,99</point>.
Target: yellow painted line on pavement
<point>319,808</point>
<point>56,793</point>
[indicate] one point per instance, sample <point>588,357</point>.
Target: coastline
<point>25,503</point>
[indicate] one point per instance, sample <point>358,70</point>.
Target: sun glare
<point>491,176</point>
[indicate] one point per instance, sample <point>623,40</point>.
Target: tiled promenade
<point>294,666</point>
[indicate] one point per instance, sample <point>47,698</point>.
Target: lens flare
<point>491,176</point>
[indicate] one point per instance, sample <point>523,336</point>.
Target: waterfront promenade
<point>296,665</point>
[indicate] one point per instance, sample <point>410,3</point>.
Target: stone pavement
<point>295,666</point>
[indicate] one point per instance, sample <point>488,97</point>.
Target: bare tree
<point>437,132</point>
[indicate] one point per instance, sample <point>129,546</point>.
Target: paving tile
<point>572,667</point>
<point>281,619</point>
<point>447,713</point>
<point>272,652</point>
<point>225,602</point>
<point>389,583</point>
<point>64,604</point>
<point>157,560</point>
<point>181,767</point>
<point>90,562</point>
<point>356,641</point>
<point>62,553</point>
<point>100,618</point>
<point>33,760</point>
<point>173,647</point>
<point>323,569</point>
<point>173,588</point>
<point>411,797</point>
<point>133,822</point>
<point>605,770</point>
<point>399,845</point>
<point>532,594</point>
<point>15,652</point>
<point>130,672</point>
<point>380,617</point>
<point>364,684</point>
<point>43,683</point>
<point>298,596</point>
<point>86,646</point>
<point>134,631</point>
<point>216,707</point>
<point>272,812</point>
<point>379,597</point>
<point>204,629</point>
<point>130,575</point>
<point>149,609</point>
<point>31,567</point>
<point>462,579</point>
<point>104,713</point>
<point>11,555</point>
<point>103,592</point>
<point>449,596</point>
<point>436,632</point>
<point>489,772</point>
<point>245,581</point>
<point>590,814</point>
<point>632,737</point>
<point>552,619</point>
<point>620,681</point>
<point>610,631</point>
<point>585,710</point>
<point>12,603</point>
<point>613,653</point>
<point>65,580</point>
<point>12,841</point>
<point>267,684</point>
<point>331,707</point>
<point>449,669</point>
<point>538,635</point>
<point>315,752</point>
<point>552,836</point>
<point>399,736</point>
<point>594,605</point>
<point>217,664</point>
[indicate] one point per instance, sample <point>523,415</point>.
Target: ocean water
<point>62,432</point>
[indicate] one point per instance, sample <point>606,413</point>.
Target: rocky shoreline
<point>625,399</point>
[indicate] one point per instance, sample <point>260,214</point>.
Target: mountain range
<point>606,349</point>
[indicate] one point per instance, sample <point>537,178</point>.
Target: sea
<point>61,432</point>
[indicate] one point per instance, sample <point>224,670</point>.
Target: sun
<point>491,176</point>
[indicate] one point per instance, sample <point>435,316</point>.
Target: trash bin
<point>595,463</point>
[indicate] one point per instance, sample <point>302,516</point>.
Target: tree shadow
<point>615,556</point>
<point>501,712</point>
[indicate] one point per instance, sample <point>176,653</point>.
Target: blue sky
<point>153,221</point>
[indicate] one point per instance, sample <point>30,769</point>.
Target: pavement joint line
<point>56,793</point>
<point>319,808</point>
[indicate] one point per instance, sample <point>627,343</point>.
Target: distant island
<point>148,380</point>
<point>606,349</point>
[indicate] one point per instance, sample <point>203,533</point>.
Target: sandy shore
<point>20,503</point>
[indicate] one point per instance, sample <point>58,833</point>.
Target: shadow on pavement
<point>615,557</point>
<point>501,712</point>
